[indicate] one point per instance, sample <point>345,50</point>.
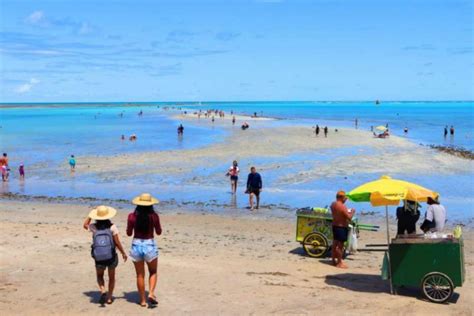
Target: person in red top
<point>143,223</point>
<point>341,216</point>
<point>234,176</point>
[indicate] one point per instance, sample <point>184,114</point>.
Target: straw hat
<point>102,212</point>
<point>145,199</point>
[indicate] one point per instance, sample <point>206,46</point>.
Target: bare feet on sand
<point>341,265</point>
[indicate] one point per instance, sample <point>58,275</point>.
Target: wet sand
<point>208,265</point>
<point>363,153</point>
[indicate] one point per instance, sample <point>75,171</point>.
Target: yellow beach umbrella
<point>381,128</point>
<point>387,191</point>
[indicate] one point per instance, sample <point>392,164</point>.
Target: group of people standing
<point>254,184</point>
<point>317,130</point>
<point>5,168</point>
<point>451,130</point>
<point>407,216</point>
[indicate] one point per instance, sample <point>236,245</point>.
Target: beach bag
<point>103,246</point>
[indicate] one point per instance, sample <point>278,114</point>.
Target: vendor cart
<point>434,264</point>
<point>314,230</point>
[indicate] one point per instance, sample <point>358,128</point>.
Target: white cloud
<point>36,18</point>
<point>26,87</point>
<point>85,28</point>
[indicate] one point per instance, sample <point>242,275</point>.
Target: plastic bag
<point>457,232</point>
<point>352,242</point>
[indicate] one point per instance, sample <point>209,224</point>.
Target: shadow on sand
<point>370,283</point>
<point>94,297</point>
<point>367,283</point>
<point>299,251</point>
<point>134,298</point>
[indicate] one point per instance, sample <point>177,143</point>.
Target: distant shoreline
<point>6,105</point>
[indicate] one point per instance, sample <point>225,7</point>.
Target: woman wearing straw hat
<point>142,223</point>
<point>105,240</point>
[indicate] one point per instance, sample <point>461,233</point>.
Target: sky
<point>269,50</point>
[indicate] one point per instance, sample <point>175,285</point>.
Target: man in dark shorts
<point>341,216</point>
<point>254,187</point>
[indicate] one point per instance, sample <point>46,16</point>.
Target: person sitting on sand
<point>254,187</point>
<point>234,176</point>
<point>435,217</point>
<point>142,223</point>
<point>105,240</point>
<point>245,126</point>
<point>407,216</point>
<point>72,163</point>
<point>341,216</point>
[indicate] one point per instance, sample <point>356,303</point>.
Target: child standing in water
<point>21,170</point>
<point>105,239</point>
<point>72,163</point>
<point>4,173</point>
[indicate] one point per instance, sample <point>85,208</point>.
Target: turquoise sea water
<point>48,133</point>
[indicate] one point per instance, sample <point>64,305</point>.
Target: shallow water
<point>49,135</point>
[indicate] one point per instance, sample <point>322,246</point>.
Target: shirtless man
<point>341,217</point>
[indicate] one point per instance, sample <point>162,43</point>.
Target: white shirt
<point>436,213</point>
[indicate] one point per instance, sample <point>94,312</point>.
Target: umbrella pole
<point>388,244</point>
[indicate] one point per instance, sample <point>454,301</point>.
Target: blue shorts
<point>340,233</point>
<point>143,250</point>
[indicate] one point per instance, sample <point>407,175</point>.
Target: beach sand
<point>363,154</point>
<point>208,265</point>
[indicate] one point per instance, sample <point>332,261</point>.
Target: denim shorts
<point>143,250</point>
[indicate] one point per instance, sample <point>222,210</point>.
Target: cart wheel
<point>315,245</point>
<point>437,287</point>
